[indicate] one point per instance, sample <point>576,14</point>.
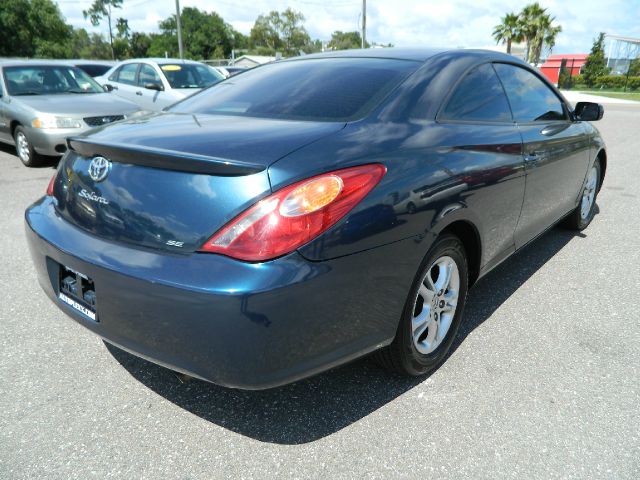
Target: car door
<point>125,81</point>
<point>482,147</point>
<point>555,149</point>
<point>5,122</point>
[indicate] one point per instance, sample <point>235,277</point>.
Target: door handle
<point>550,130</point>
<point>139,93</point>
<point>531,157</point>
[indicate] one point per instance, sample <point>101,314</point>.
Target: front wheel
<point>581,217</point>
<point>26,153</point>
<point>433,311</point>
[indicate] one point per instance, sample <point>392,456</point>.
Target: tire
<point>25,151</point>
<point>413,354</point>
<point>411,208</point>
<point>581,217</point>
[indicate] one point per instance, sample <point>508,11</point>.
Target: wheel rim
<point>435,305</point>
<point>589,193</point>
<point>22,146</point>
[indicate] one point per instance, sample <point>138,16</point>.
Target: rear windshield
<point>328,89</point>
<point>93,69</point>
<point>190,75</point>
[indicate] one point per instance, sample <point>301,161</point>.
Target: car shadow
<point>311,409</point>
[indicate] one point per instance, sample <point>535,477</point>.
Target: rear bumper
<point>250,326</point>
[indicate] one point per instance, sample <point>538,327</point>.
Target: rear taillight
<point>50,186</point>
<point>295,215</point>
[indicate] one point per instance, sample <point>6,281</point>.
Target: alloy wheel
<point>435,305</point>
<point>589,193</point>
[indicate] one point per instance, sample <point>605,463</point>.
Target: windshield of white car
<point>189,75</point>
<point>48,80</point>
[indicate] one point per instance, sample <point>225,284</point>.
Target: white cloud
<point>448,23</point>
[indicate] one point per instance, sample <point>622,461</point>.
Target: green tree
<point>533,25</point>
<point>545,35</point>
<point>204,35</point>
<point>280,32</point>
<point>508,31</point>
<point>634,68</point>
<point>596,65</point>
<point>91,46</point>
<point>345,40</point>
<point>33,28</point>
<point>139,44</point>
<point>100,10</point>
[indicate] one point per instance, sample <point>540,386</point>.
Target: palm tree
<point>544,35</point>
<point>508,31</point>
<point>529,20</point>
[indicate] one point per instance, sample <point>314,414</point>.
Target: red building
<point>573,62</point>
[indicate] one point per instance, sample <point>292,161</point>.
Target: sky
<point>434,23</point>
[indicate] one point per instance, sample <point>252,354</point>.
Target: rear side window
<point>328,89</point>
<point>478,97</point>
<point>127,74</point>
<point>530,98</point>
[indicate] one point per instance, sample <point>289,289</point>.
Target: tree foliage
<point>596,64</point>
<point>204,36</point>
<point>345,40</point>
<point>282,32</point>
<point>33,28</point>
<point>509,30</point>
<point>534,25</point>
<point>101,10</point>
<point>634,68</point>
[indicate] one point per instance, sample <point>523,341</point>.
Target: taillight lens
<point>295,215</point>
<point>50,186</point>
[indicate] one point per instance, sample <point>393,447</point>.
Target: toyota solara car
<point>312,211</point>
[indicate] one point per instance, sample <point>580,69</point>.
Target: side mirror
<point>588,111</point>
<point>154,86</point>
<point>107,87</point>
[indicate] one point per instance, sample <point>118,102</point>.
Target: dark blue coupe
<point>313,210</point>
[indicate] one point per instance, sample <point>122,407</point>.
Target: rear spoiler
<point>163,159</point>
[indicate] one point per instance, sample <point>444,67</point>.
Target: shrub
<point>617,81</point>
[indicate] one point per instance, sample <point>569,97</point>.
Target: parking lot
<point>544,380</point>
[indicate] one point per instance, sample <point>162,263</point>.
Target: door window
<point>478,97</point>
<point>530,98</point>
<point>147,75</point>
<point>127,74</point>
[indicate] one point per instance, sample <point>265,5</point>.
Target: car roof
<point>418,54</point>
<point>38,62</point>
<point>159,60</point>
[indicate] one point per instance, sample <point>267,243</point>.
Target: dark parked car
<point>248,234</point>
<point>93,68</point>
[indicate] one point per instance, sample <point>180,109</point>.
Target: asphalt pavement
<point>544,381</point>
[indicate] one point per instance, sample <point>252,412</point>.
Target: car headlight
<point>138,113</point>
<point>50,121</point>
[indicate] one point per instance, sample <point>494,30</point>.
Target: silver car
<point>44,102</point>
<point>156,83</point>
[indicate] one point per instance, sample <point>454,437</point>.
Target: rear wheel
<point>581,217</point>
<point>433,311</point>
<point>26,153</point>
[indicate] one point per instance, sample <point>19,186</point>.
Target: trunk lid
<point>173,180</point>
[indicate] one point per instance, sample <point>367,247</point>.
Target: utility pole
<point>179,29</point>
<point>364,23</point>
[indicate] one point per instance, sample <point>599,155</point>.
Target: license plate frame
<point>77,291</point>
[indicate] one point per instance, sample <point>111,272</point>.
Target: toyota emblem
<point>99,168</point>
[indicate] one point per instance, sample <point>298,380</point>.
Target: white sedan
<point>155,83</point>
